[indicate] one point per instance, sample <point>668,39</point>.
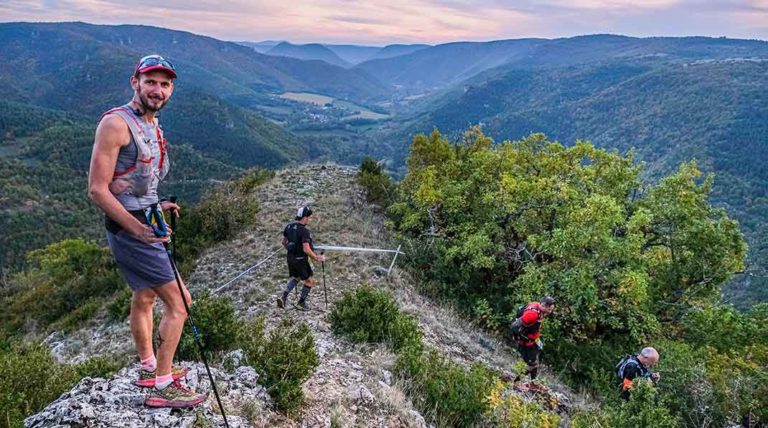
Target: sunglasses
<point>154,60</point>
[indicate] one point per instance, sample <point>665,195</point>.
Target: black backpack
<point>295,248</point>
<point>518,329</point>
<point>521,311</point>
<point>622,366</point>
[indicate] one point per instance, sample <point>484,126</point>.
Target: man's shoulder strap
<point>627,360</point>
<point>130,119</point>
<point>532,307</point>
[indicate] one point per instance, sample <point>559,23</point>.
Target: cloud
<point>357,19</point>
<point>628,5</point>
<point>409,21</point>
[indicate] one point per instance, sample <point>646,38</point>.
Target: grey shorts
<point>142,265</point>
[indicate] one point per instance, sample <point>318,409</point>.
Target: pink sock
<point>162,381</point>
<point>149,364</point>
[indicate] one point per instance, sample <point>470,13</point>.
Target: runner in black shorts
<point>297,239</point>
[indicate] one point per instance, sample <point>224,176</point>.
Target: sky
<point>382,22</point>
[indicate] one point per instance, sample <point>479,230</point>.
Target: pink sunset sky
<point>410,21</point>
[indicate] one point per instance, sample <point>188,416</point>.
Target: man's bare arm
<point>308,251</point>
<point>111,134</point>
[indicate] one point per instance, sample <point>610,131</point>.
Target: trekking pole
<point>325,290</point>
<point>195,333</point>
<point>173,228</point>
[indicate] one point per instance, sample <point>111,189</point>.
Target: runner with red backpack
<point>526,331</point>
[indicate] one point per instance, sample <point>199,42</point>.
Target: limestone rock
<point>117,402</point>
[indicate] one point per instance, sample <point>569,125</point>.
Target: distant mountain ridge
<point>341,55</point>
<point>442,65</point>
<point>262,46</point>
<point>224,69</point>
<point>391,51</point>
<point>308,52</point>
<point>353,54</point>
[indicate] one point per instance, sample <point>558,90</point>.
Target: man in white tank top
<point>122,181</point>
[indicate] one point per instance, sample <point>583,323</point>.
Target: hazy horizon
<point>380,45</point>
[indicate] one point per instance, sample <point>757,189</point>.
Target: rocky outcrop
<point>117,402</point>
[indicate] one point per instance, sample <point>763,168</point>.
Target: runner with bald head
<point>633,367</point>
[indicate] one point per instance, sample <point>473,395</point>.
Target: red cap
<point>154,62</point>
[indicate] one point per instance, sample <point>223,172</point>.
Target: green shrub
<point>643,410</point>
<point>405,334</point>
<point>705,386</point>
<point>120,306</point>
<point>368,315</point>
<point>364,315</point>
<point>379,188</point>
<point>216,323</point>
<point>485,315</point>
<point>222,212</point>
<point>593,418</point>
<point>252,178</point>
<point>79,316</point>
<point>63,287</point>
<point>444,390</point>
<point>31,380</point>
<point>725,329</point>
<point>511,410</point>
<point>104,367</point>
<point>284,361</point>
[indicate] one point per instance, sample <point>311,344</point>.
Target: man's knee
<point>178,308</point>
<point>173,300</point>
<point>143,299</point>
<point>176,311</point>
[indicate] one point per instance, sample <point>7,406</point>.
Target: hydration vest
<point>137,179</point>
<point>631,360</point>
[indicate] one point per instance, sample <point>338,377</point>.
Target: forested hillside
<point>47,119</point>
<point>44,160</point>
<point>711,111</point>
<point>441,65</point>
<point>44,54</point>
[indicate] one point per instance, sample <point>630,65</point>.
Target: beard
<point>152,104</point>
